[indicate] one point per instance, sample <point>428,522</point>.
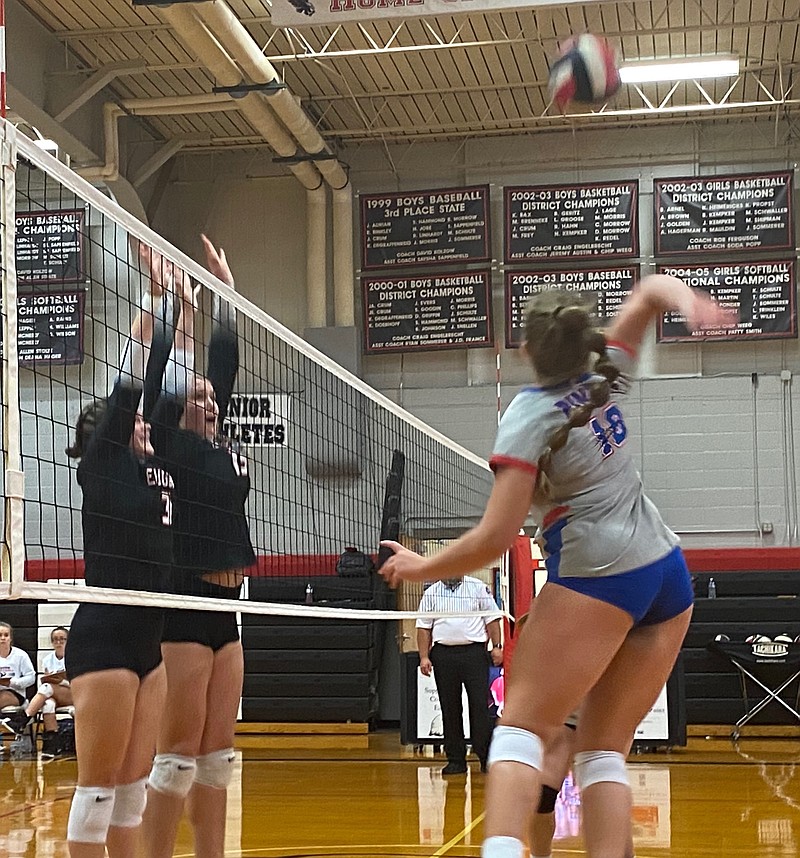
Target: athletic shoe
<point>19,721</point>
<point>50,745</point>
<point>455,769</point>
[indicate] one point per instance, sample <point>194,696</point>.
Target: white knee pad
<point>215,769</point>
<point>49,707</point>
<point>90,814</point>
<point>515,745</point>
<point>46,689</point>
<point>129,804</point>
<point>173,774</point>
<point>502,847</point>
<point>594,767</point>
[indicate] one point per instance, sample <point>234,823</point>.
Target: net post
<point>13,557</point>
<point>2,59</point>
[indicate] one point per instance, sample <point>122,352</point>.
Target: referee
<point>454,648</point>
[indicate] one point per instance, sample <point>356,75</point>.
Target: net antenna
<point>317,441</point>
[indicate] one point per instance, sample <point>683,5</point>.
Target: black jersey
<point>211,480</point>
<point>127,505</point>
<point>211,489</point>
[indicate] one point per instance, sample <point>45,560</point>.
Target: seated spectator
<point>16,669</point>
<point>54,691</point>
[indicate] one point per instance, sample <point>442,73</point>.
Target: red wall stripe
<point>742,559</point>
<point>267,566</point>
<point>294,565</point>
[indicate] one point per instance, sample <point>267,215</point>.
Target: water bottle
<point>712,588</point>
<point>309,594</point>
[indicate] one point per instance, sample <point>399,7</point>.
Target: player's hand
<point>188,293</point>
<point>703,313</point>
<point>158,268</point>
<point>497,656</point>
<point>216,262</point>
<point>403,565</point>
<point>425,666</point>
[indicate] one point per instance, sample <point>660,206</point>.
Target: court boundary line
<point>459,837</point>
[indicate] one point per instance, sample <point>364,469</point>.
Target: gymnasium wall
<point>708,420</point>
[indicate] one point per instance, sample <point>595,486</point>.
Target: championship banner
<point>49,246</point>
<point>761,293</point>
<point>298,13</point>
<point>604,288</point>
<point>749,211</point>
<point>424,312</point>
<point>436,227</point>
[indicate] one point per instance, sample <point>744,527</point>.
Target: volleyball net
<point>333,464</point>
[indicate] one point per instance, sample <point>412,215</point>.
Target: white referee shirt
<point>470,595</point>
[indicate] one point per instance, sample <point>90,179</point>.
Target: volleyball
<point>722,638</point>
<point>783,638</point>
<point>758,639</point>
<point>585,72</point>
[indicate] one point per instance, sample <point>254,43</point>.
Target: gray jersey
<point>599,521</point>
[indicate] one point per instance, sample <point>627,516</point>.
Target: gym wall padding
<point>313,669</point>
<point>23,617</point>
<point>748,602</point>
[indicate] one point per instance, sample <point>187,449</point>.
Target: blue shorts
<point>650,594</point>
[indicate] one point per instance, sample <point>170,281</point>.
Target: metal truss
<point>745,96</point>
<point>757,91</point>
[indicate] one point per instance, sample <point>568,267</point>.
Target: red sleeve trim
<point>629,350</point>
<point>554,515</point>
<point>497,462</point>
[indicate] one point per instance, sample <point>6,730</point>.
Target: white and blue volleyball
<point>585,72</point>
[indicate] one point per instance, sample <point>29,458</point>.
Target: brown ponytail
<point>560,338</point>
<point>89,419</point>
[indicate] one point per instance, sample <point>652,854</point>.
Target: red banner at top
<point>297,13</point>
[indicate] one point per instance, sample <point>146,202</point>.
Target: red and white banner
<point>298,13</point>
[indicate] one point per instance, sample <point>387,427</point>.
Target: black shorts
<point>21,698</point>
<point>213,629</point>
<point>113,637</point>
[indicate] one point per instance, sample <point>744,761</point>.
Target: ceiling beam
<point>669,30</point>
<point>100,79</point>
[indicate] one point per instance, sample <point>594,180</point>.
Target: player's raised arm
<point>657,294</point>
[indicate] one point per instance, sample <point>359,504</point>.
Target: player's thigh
<point>8,698</point>
<point>104,711</point>
<point>189,668</point>
<point>629,687</point>
<point>148,711</point>
<point>62,694</point>
<point>564,648</point>
<point>224,694</point>
<point>558,758</point>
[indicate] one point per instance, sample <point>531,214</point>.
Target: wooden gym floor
<point>383,801</point>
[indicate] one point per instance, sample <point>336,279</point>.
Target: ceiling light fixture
<point>695,68</point>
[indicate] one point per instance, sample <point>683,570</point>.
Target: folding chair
<point>5,727</point>
<point>775,663</point>
<point>62,713</point>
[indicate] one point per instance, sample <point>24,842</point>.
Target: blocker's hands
<point>216,262</point>
<point>403,565</point>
